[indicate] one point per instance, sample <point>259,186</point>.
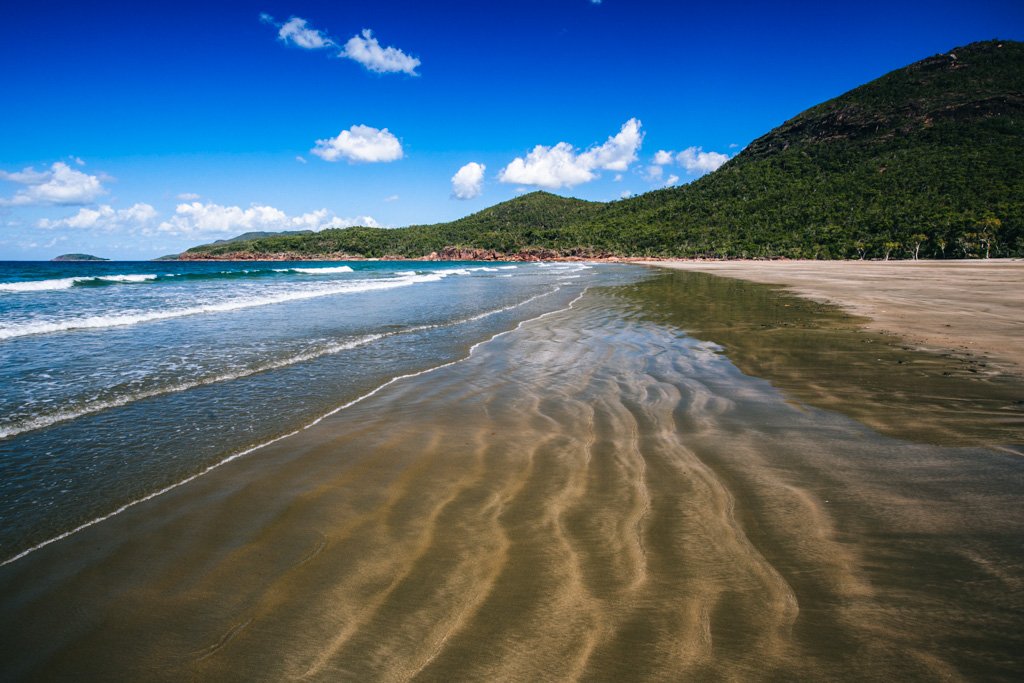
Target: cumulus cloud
<point>619,151</point>
<point>188,196</point>
<point>662,157</point>
<point>468,181</point>
<point>562,166</point>
<point>696,160</point>
<point>550,167</point>
<point>297,31</point>
<point>195,218</point>
<point>365,49</point>
<point>360,143</point>
<point>105,217</point>
<point>653,173</point>
<point>362,48</point>
<point>59,185</point>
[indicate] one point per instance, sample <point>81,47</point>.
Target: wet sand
<point>601,494</point>
<point>974,306</point>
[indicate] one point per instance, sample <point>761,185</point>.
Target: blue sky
<point>132,130</point>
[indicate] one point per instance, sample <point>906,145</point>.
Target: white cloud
<point>391,198</point>
<point>696,160</point>
<point>77,160</point>
<point>105,217</point>
<point>365,49</point>
<point>301,159</point>
<point>468,181</point>
<point>298,32</point>
<point>662,158</point>
<point>188,196</point>
<point>733,145</point>
<point>208,219</point>
<point>561,166</point>
<point>619,151</point>
<point>653,173</point>
<point>550,167</point>
<point>625,194</point>
<point>360,143</point>
<point>362,48</point>
<point>618,177</point>
<point>60,185</point>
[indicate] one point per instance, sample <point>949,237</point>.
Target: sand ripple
<point>592,497</point>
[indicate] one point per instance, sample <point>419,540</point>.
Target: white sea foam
<point>68,282</point>
<point>122,278</point>
<point>39,285</point>
<point>316,271</point>
<point>63,415</point>
<point>315,422</point>
<point>46,420</point>
<point>125,319</point>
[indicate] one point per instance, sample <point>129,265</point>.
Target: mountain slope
<point>927,159</point>
<point>934,149</point>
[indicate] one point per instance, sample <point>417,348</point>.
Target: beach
<point>682,478</point>
<point>972,307</point>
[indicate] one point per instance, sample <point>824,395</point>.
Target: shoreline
<point>970,308</point>
<point>249,449</point>
<point>592,495</point>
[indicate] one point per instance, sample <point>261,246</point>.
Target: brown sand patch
<point>974,307</point>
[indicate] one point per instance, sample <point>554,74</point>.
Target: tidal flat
<point>684,478</point>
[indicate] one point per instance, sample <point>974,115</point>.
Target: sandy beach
<point>600,494</point>
<point>972,307</point>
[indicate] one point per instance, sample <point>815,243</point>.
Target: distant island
<point>78,257</point>
<point>923,162</point>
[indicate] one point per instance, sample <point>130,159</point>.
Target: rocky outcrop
<point>261,256</point>
<point>534,254</point>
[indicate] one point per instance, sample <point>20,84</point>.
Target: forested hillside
<point>925,161</point>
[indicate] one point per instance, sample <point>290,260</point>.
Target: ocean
<point>514,472</point>
<point>118,380</point>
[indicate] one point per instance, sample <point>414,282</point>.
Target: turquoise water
<point>118,380</point>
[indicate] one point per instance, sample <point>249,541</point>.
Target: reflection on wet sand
<point>595,496</point>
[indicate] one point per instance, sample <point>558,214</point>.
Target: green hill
<point>532,220</point>
<point>927,159</point>
<point>78,257</point>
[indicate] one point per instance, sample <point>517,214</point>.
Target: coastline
<point>972,308</point>
<point>592,495</point>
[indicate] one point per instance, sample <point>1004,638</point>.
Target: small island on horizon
<point>78,257</point>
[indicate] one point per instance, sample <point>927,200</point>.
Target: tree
<point>889,247</point>
<point>988,228</point>
<point>861,246</point>
<point>917,240</point>
<point>966,242</point>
